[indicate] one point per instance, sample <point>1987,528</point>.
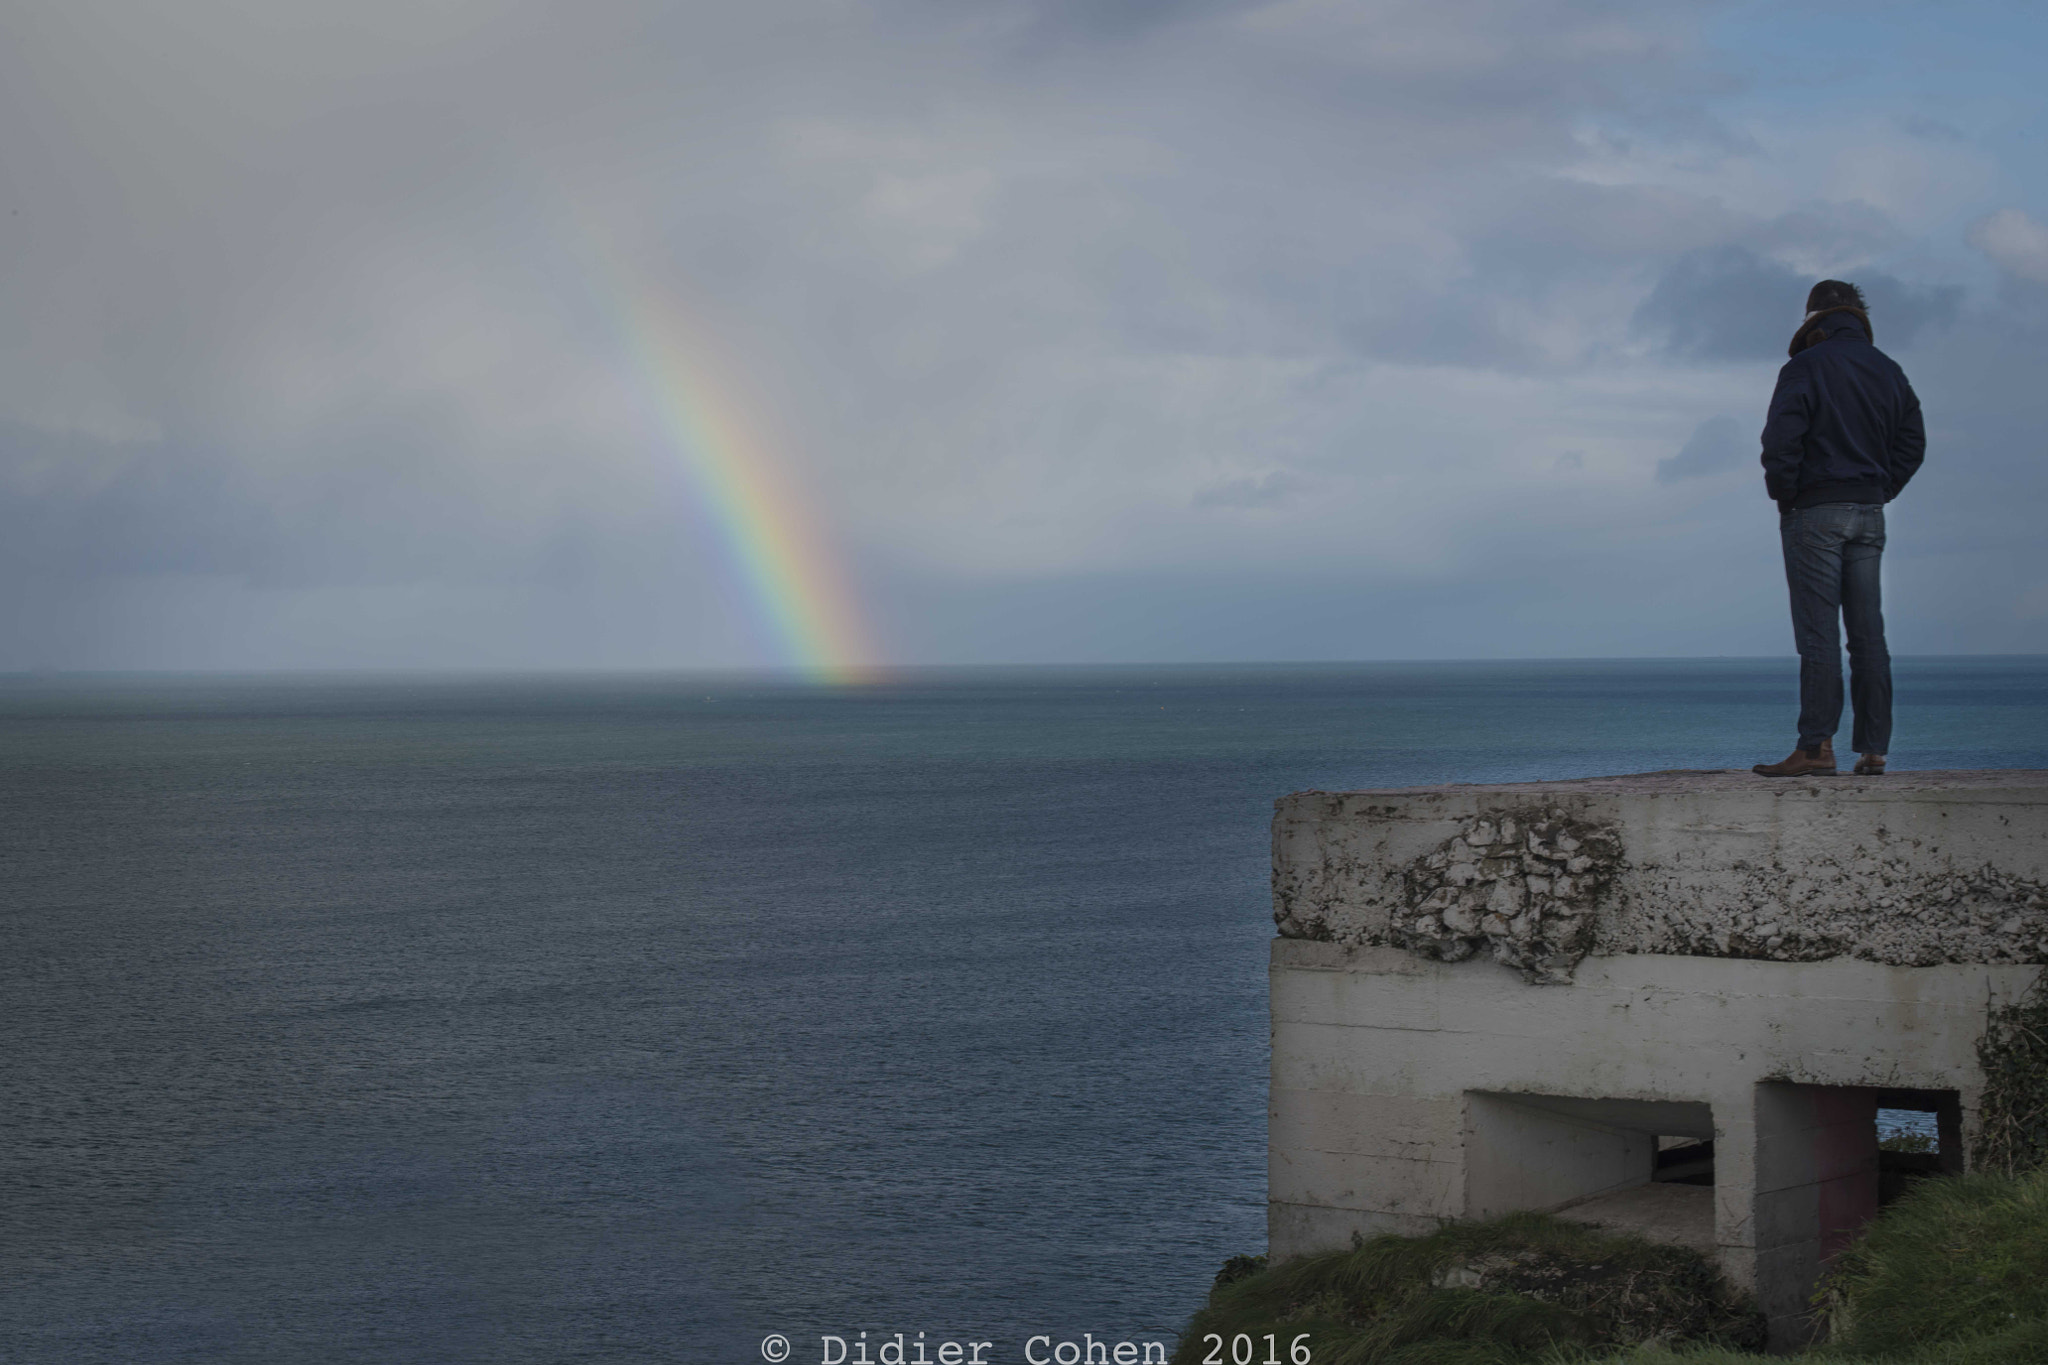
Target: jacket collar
<point>1830,323</point>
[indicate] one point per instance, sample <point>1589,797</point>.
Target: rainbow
<point>802,593</point>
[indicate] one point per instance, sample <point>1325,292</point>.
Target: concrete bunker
<point>1692,1038</point>
<point>1647,1166</point>
<point>1642,1166</point>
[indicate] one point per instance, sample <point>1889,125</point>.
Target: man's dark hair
<point>1829,296</point>
<point>1834,294</point>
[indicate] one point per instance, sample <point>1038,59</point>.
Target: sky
<point>479,334</point>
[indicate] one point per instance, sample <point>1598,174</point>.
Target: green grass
<point>2025,1344</point>
<point>1952,1260</point>
<point>1520,1289</point>
<point>1953,1273</point>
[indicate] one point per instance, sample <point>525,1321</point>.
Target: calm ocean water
<point>634,1018</point>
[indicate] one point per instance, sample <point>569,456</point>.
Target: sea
<point>660,1017</point>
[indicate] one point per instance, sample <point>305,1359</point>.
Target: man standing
<point>1843,437</point>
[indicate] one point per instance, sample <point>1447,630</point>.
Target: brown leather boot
<point>1870,765</point>
<point>1802,763</point>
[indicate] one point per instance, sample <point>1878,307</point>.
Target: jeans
<point>1831,561</point>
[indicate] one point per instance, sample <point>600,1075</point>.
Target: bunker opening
<point>1919,1133</point>
<point>1684,1160</point>
<point>1631,1165</point>
<point>1829,1156</point>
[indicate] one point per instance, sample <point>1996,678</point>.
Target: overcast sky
<point>1097,329</point>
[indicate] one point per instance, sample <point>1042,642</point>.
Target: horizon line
<point>882,675</point>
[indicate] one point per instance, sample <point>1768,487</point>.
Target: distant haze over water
<point>632,1018</point>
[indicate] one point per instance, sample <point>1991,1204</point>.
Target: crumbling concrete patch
<point>1521,884</point>
<point>1910,870</point>
<point>1876,904</point>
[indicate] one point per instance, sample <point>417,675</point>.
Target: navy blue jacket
<point>1844,424</point>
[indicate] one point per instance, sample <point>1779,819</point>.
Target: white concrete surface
<point>1406,1091</point>
<point>1680,1215</point>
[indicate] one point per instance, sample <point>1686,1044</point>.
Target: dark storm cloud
<point>1080,20</point>
<point>1730,303</point>
<point>72,505</point>
<point>80,507</point>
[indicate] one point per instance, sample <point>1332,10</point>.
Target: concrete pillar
<point>1816,1186</point>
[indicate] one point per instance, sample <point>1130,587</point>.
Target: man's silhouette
<point>1843,437</point>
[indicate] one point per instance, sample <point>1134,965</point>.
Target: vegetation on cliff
<point>1955,1272</point>
<point>2013,1133</point>
<point>1956,1263</point>
<point>1516,1289</point>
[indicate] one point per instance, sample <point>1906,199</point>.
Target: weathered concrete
<point>1693,955</point>
<point>1912,869</point>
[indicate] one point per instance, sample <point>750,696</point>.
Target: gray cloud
<point>1730,303</point>
<point>315,345</point>
<point>1717,444</point>
<point>2013,239</point>
<point>1264,490</point>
